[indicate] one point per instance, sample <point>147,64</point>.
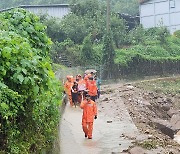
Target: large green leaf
<point>20,77</point>
<point>6,52</point>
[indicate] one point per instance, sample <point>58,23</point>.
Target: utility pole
<point>108,16</point>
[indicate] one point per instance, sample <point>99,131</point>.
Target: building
<point>156,13</point>
<point>55,10</point>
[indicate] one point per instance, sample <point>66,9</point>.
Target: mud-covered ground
<point>154,107</point>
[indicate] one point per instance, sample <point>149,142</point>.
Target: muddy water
<point>107,137</point>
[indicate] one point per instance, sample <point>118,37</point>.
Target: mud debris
<point>156,115</point>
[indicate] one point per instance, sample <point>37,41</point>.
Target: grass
<point>149,144</point>
<point>166,86</point>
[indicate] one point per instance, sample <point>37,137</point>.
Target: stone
<point>168,100</point>
<point>164,126</point>
<point>150,137</point>
<point>147,131</point>
<point>175,121</point>
<point>146,103</point>
<point>105,99</point>
<point>166,107</point>
<point>177,137</point>
<point>130,87</point>
<point>178,133</point>
<point>137,150</point>
<point>171,112</point>
<point>160,100</point>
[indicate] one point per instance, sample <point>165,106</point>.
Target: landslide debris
<point>154,106</point>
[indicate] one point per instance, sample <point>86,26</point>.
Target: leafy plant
<point>27,25</point>
<point>29,93</point>
<point>108,55</point>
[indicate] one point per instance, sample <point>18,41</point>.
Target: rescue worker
<point>81,88</point>
<point>98,83</point>
<point>89,114</point>
<point>92,89</point>
<point>67,87</point>
<point>86,79</point>
<point>74,93</point>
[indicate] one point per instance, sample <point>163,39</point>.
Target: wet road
<point>107,137</point>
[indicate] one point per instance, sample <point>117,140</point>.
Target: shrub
<point>29,93</point>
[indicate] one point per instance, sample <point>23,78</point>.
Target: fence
<point>63,72</point>
<point>135,69</point>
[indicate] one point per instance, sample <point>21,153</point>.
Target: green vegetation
<point>29,93</point>
<point>123,6</point>
<point>137,52</point>
<point>152,51</point>
<point>108,56</point>
<point>149,144</point>
<point>166,85</point>
<point>79,37</point>
<point>85,39</point>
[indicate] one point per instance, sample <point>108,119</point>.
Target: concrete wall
<point>155,13</point>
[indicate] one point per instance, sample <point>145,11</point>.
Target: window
<point>172,3</point>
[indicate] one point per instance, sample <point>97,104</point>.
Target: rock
<point>105,99</point>
<point>169,146</point>
<point>177,137</point>
<point>137,150</point>
<point>125,150</point>
<point>130,87</point>
<point>160,100</point>
<point>130,99</point>
<point>147,131</point>
<point>171,112</point>
<point>122,135</point>
<point>164,126</point>
<point>146,103</point>
<point>175,121</point>
<point>168,100</point>
<point>102,92</point>
<point>150,137</point>
<point>166,107</point>
<point>178,133</point>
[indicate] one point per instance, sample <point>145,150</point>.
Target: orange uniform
<point>67,87</point>
<point>86,80</point>
<point>92,88</point>
<point>89,112</point>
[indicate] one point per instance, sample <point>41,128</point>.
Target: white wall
<point>58,12</point>
<point>155,13</point>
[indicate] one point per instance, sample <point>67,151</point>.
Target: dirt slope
<point>148,108</point>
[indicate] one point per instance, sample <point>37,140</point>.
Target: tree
<point>87,50</point>
<point>108,56</point>
<point>74,28</point>
<point>118,28</point>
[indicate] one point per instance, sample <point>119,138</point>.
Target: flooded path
<point>107,137</point>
